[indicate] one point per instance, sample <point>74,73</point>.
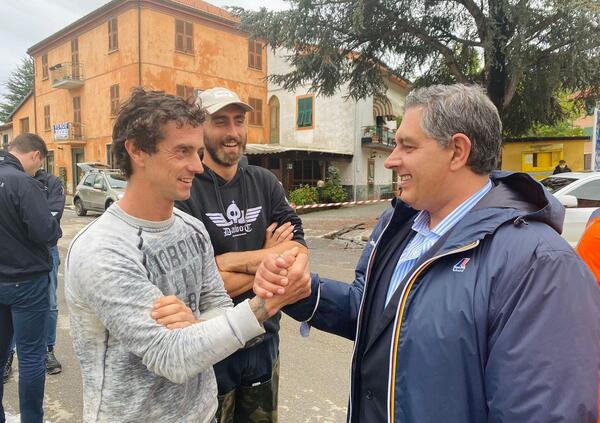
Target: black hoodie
<point>26,225</point>
<point>236,213</point>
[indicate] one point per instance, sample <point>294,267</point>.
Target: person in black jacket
<point>26,229</point>
<point>56,201</point>
<point>561,168</point>
<point>247,216</point>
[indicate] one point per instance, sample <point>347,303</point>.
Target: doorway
<point>77,156</point>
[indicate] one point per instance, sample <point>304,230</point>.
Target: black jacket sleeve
<point>282,212</point>
<point>56,197</point>
<point>35,213</point>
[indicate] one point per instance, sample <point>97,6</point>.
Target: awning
<point>278,148</point>
<point>382,106</point>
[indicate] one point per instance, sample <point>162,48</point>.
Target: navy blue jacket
<point>26,226</point>
<point>498,322</point>
<point>55,194</point>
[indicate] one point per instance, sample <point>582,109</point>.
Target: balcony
<point>66,75</point>
<point>68,131</point>
<point>378,137</point>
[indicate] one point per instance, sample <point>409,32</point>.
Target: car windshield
<point>553,184</point>
<point>117,181</point>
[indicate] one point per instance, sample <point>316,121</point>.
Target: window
<point>184,36</point>
<point>113,34</point>
<point>256,114</point>
<point>24,125</point>
<point>185,91</point>
<point>114,99</point>
<point>89,181</point>
<point>45,66</point>
<point>305,112</point>
<point>254,54</point>
<point>587,161</point>
<point>75,57</point>
<point>5,141</point>
<point>588,195</point>
<point>308,172</point>
<point>100,182</point>
<point>77,117</point>
<point>46,117</point>
<point>116,180</point>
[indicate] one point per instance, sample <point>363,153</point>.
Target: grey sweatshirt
<point>133,369</point>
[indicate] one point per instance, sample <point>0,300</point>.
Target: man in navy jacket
<point>55,195</point>
<point>27,228</point>
<point>472,308</point>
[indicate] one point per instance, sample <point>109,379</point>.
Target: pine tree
<point>524,52</point>
<point>18,85</point>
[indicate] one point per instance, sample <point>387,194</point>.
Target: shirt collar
<point>421,223</point>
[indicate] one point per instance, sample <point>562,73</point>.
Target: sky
<point>28,22</point>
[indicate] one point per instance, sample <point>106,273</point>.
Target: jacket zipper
<point>360,312</point>
<point>400,316</point>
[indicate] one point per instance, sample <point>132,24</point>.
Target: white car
<point>580,194</point>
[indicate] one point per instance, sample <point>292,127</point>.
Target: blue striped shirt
<point>425,238</point>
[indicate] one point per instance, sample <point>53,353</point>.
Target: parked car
<point>580,194</point>
<point>100,186</point>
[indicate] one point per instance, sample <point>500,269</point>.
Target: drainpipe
<point>139,27</point>
<point>34,98</point>
<point>356,150</point>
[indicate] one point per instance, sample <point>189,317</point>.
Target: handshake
<point>279,280</point>
<point>282,279</point>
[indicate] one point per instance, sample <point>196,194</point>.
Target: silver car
<point>98,189</point>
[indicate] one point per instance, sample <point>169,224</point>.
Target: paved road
<point>314,370</point>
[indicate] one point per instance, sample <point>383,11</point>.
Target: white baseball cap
<point>215,99</point>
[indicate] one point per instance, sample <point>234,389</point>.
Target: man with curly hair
<point>149,313</point>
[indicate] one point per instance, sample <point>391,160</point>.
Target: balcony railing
<point>67,75</point>
<point>378,135</point>
<point>68,131</point>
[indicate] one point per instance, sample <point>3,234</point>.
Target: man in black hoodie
<point>26,229</point>
<point>247,216</point>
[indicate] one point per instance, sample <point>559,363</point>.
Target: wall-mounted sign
<point>61,131</point>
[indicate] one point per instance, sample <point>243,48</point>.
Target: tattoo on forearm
<point>259,308</point>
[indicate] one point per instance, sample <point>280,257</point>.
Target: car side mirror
<point>98,186</point>
<point>569,201</point>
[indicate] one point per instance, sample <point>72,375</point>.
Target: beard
<point>219,156</point>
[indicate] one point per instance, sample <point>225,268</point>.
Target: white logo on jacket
<point>237,222</point>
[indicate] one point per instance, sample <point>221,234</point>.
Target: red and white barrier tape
<point>345,203</point>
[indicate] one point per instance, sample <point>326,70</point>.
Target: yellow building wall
<point>519,156</point>
<point>25,111</point>
<point>100,68</point>
<point>220,59</point>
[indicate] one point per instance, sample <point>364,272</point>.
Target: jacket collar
<point>515,197</point>
<point>7,159</point>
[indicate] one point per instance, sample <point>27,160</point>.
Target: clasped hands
<point>284,278</point>
<point>280,280</point>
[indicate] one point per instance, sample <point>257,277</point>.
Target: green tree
<point>522,51</point>
<point>572,107</point>
<point>332,190</point>
<point>18,85</point>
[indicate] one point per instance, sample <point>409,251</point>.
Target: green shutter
<point>300,117</point>
<point>305,106</point>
